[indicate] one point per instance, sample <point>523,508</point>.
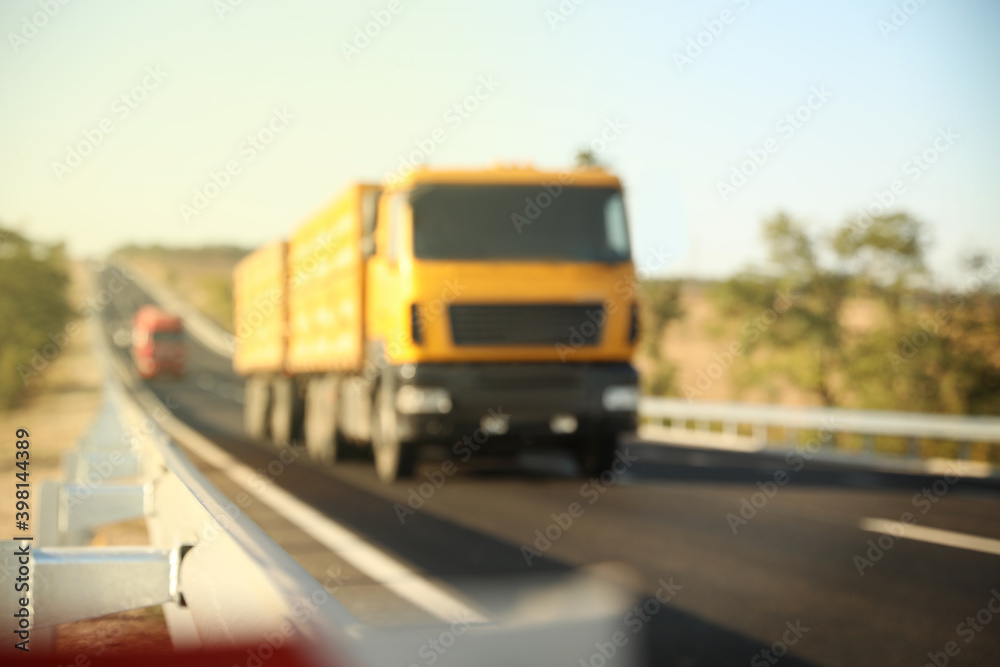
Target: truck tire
<point>321,420</point>
<point>256,397</point>
<point>595,454</point>
<point>286,412</point>
<point>393,459</point>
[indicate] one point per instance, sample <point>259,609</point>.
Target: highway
<point>793,580</point>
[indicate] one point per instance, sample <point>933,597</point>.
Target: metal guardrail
<point>691,422</point>
<point>222,582</point>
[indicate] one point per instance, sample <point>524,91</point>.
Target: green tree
<point>886,256</point>
<point>948,359</point>
<point>788,314</point>
<point>218,291</point>
<point>866,329</point>
<point>586,158</point>
<point>660,305</point>
<point>33,308</point>
<point>885,259</point>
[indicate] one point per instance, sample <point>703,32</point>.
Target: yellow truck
<point>489,310</point>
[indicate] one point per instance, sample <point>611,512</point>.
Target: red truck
<point>158,343</point>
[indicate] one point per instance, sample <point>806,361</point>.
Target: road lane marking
<point>375,563</point>
<point>351,547</point>
<point>948,538</point>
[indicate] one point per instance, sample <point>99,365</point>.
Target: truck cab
<point>158,343</point>
<point>501,309</point>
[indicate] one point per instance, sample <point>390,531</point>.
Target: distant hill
<point>202,276</point>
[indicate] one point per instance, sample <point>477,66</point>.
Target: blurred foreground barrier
<point>222,582</point>
<point>751,427</point>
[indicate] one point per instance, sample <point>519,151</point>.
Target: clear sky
<point>199,79</point>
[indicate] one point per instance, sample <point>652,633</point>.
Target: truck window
<point>167,336</point>
<point>519,222</point>
<point>615,227</point>
<point>369,215</point>
<point>398,208</point>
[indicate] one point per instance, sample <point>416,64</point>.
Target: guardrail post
<point>68,512</point>
<point>67,584</point>
<point>93,467</point>
<point>913,445</point>
<point>48,493</point>
<point>84,507</point>
<point>868,444</point>
<point>76,583</point>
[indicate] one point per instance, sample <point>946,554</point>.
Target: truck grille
<point>576,325</point>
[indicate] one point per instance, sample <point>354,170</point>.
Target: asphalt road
<point>796,574</point>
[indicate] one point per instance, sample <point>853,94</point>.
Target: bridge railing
<point>753,427</point>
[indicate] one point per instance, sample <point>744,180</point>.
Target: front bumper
<point>527,398</point>
<point>150,368</point>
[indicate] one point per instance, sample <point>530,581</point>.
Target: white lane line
<point>351,547</point>
<point>946,538</point>
<point>348,545</point>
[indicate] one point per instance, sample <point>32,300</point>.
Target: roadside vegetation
<point>202,276</point>
<point>853,318</point>
<point>34,311</point>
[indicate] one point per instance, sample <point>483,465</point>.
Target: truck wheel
<point>286,411</point>
<point>321,420</point>
<point>255,402</point>
<point>393,459</point>
<point>596,454</point>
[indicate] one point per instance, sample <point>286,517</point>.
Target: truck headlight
<point>412,400</point>
<point>620,399</point>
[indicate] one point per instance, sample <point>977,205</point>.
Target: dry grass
<point>691,345</point>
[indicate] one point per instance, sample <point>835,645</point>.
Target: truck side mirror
<point>369,215</point>
<point>367,246</point>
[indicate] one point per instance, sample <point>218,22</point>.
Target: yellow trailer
<point>326,287</point>
<point>489,308</point>
<point>259,302</point>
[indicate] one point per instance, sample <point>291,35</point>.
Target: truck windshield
<point>168,337</point>
<point>519,222</point>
